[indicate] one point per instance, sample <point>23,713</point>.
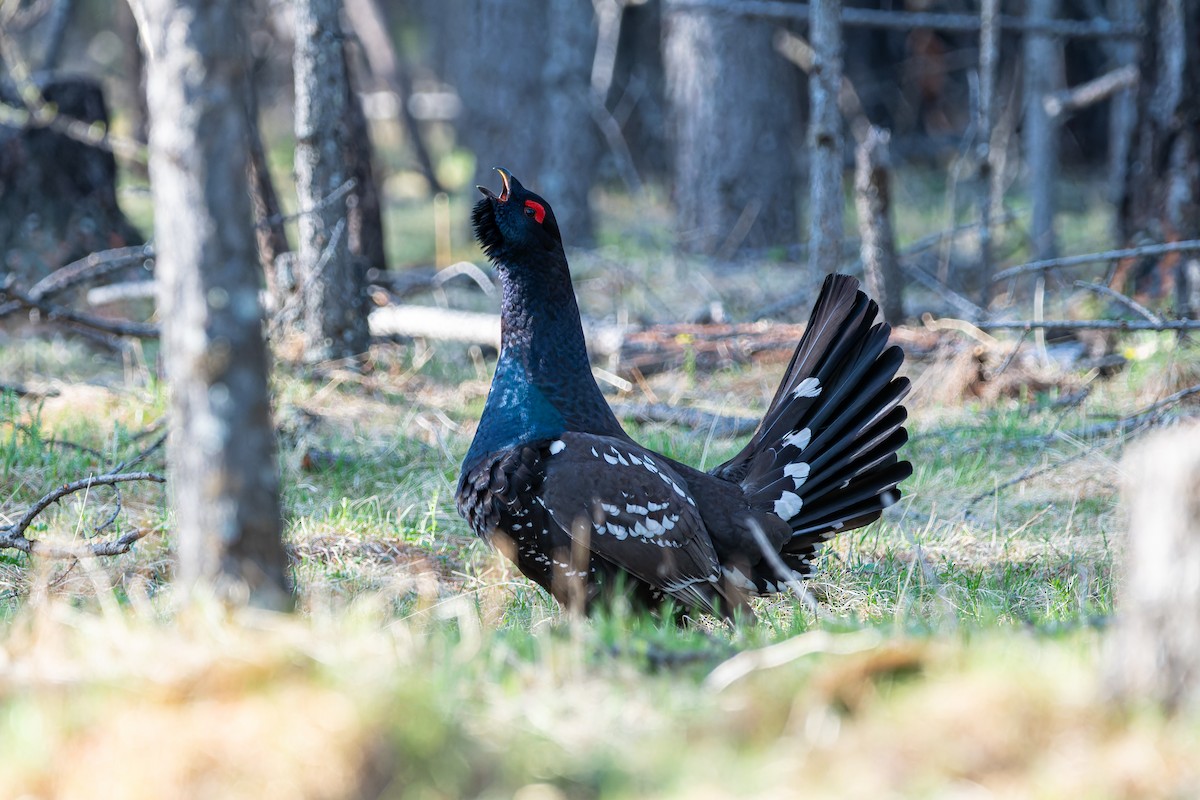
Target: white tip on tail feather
<point>809,387</point>
<point>788,505</point>
<point>799,439</point>
<point>557,446</point>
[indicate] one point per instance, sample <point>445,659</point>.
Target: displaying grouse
<point>555,482</point>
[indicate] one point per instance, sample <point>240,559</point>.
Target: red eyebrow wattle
<point>539,210</point>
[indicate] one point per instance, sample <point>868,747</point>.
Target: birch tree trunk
<point>825,140</point>
<point>332,283</point>
<point>221,454</point>
<point>732,117</point>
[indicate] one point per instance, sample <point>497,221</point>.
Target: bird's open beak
<point>504,178</point>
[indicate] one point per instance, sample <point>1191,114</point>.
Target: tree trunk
<point>1040,131</point>
<point>268,221</point>
<point>872,192</point>
<point>331,282</point>
<point>989,51</point>
<point>364,213</point>
<point>221,454</point>
<point>825,140</point>
<point>732,116</point>
<point>571,138</point>
<point>637,96</point>
<point>1161,197</point>
<point>58,196</point>
<point>1122,114</point>
<point>1155,650</point>
<point>498,73</point>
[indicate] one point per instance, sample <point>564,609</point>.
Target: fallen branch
<point>1092,325</point>
<point>140,330</point>
<point>24,391</point>
<point>91,267</point>
<point>13,537</point>
<point>719,425</point>
<point>1189,246</point>
<point>908,20</point>
<point>1092,92</point>
<point>1128,302</point>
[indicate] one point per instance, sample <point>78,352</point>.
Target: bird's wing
<point>628,506</point>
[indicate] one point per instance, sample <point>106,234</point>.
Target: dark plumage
<point>554,482</point>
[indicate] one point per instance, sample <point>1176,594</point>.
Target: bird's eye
<point>536,210</point>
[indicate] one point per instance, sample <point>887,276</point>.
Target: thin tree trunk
<point>331,282</point>
<point>825,140</point>
<point>1040,131</point>
<point>56,33</point>
<point>873,200</point>
<point>571,138</point>
<point>732,117</point>
<point>371,27</point>
<point>989,51</point>
<point>1122,115</point>
<point>268,228</point>
<point>221,453</point>
<point>364,212</point>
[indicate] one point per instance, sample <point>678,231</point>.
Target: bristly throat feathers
<point>543,384</point>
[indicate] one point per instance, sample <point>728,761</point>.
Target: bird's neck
<point>543,384</point>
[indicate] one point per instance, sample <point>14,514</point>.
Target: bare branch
<point>1128,302</point>
<point>1188,246</point>
<point>91,267</point>
<point>1095,90</point>
<point>139,330</point>
<point>902,20</point>
<point>720,425</point>
<point>1092,325</point>
<point>13,536</point>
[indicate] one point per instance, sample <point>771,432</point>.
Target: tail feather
<point>825,457</point>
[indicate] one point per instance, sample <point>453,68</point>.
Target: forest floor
<point>956,650</point>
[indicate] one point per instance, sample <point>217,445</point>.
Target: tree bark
<point>221,453</point>
<point>872,192</point>
<point>732,116</point>
<point>1155,650</point>
<point>331,282</point>
<point>58,196</point>
<point>571,138</point>
<point>1040,131</point>
<point>825,140</point>
<point>989,51</point>
<point>364,212</point>
<point>1122,114</point>
<point>1161,196</point>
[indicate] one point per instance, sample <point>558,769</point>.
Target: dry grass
<point>959,653</point>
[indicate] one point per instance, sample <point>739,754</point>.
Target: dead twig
<point>1092,325</point>
<point>91,267</point>
<point>721,426</point>
<point>1128,302</point>
<point>140,330</point>
<point>787,576</point>
<point>12,537</point>
<point>1189,246</point>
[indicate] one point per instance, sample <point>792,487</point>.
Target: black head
<point>516,222</point>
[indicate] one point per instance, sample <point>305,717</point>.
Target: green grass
<point>957,647</point>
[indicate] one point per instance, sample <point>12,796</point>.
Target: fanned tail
<point>824,456</point>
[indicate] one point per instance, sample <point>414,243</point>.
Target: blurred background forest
<point>247,223</point>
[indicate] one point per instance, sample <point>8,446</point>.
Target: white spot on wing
<point>788,505</point>
<point>610,459</point>
<point>809,387</point>
<point>557,446</point>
